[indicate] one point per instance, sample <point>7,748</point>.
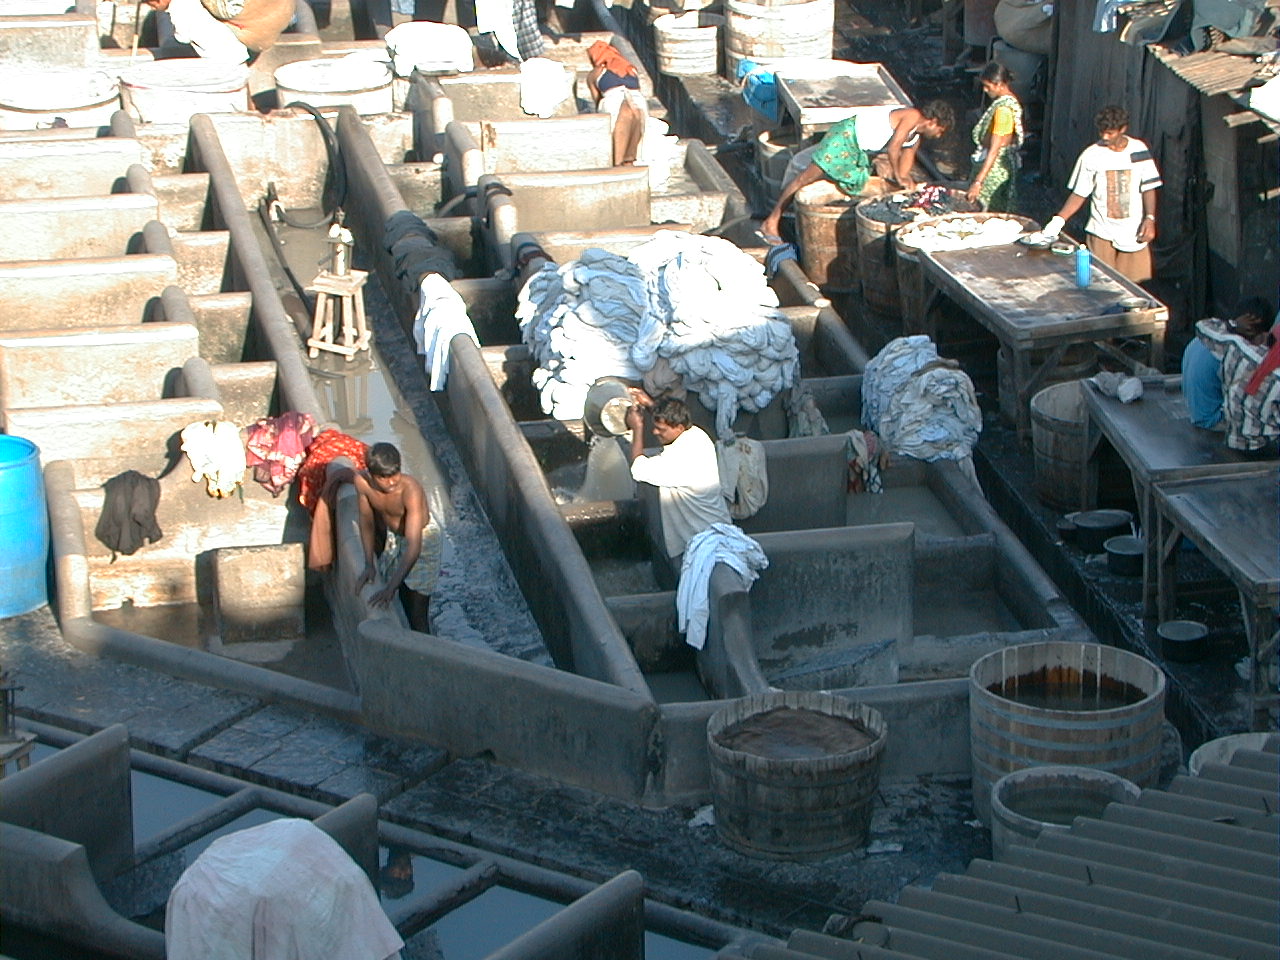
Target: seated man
<point>685,472</point>
<point>1202,369</point>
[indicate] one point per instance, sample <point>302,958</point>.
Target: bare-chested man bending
<point>395,502</point>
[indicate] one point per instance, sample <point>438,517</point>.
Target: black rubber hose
<point>335,183</point>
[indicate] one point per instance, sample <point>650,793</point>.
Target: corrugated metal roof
<point>1210,72</point>
<point>1187,873</point>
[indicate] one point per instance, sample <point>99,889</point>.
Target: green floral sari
<point>999,190</point>
<point>841,159</point>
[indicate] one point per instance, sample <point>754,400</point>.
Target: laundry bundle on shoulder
<point>128,517</point>
<point>216,454</point>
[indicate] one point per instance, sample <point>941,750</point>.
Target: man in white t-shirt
<point>685,472</point>
<point>1119,178</point>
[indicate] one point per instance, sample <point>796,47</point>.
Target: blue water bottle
<point>1084,266</point>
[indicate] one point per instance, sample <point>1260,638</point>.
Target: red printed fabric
<point>1269,364</point>
<point>276,448</point>
<point>323,449</point>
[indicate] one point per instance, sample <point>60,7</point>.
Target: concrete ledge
<point>108,439</point>
<point>580,199</point>
<point>82,293</point>
<point>557,724</point>
<point>50,368</point>
<point>606,924</point>
<point>67,39</point>
<point>542,146</point>
<point>65,168</point>
<point>91,783</point>
<point>46,885</point>
<point>54,228</point>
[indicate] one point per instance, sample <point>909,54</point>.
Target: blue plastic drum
<point>24,528</point>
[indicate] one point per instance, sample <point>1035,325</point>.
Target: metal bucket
<point>808,801</point>
<point>777,30</point>
<point>1062,703</point>
<point>24,528</point>
<point>604,411</point>
<point>1027,803</point>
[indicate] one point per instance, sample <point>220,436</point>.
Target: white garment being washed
<point>719,543</point>
<point>442,315</point>
<point>216,453</point>
<point>688,480</point>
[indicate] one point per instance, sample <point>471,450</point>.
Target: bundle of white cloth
<point>442,315</point>
<point>719,543</point>
<point>698,303</point>
<point>580,321</point>
<point>921,405</point>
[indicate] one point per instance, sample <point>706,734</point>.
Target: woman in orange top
<point>615,85</point>
<point>997,138</point>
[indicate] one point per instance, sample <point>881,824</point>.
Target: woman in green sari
<point>997,138</point>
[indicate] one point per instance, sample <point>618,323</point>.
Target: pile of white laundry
<point>961,233</point>
<point>698,303</point>
<point>921,405</point>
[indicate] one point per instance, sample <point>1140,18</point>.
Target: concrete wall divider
<point>470,701</point>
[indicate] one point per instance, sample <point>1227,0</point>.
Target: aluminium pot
<point>1125,554</point>
<point>1183,641</point>
<point>1095,527</point>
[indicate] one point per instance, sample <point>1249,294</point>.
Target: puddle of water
<point>491,920</point>
<point>621,578</point>
<point>676,686</point>
<point>159,804</point>
<point>400,878</point>
<point>659,947</point>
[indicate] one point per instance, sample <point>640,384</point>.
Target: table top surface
<point>1155,436</point>
<point>815,101</point>
<point>1024,294</point>
<point>1235,520</point>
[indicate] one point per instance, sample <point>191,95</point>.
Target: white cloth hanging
<point>719,543</point>
<point>216,454</point>
<point>442,315</point>
<point>744,476</point>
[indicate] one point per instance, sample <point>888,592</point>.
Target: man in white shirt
<point>685,472</point>
<point>1119,178</point>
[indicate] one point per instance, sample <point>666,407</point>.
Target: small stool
<point>349,305</point>
<point>16,751</point>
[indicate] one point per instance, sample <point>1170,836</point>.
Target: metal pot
<point>1183,640</point>
<point>1095,527</point>
<point>605,409</point>
<point>1124,555</point>
<point>1067,528</point>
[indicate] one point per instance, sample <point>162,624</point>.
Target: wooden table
<point>1029,300</point>
<point>1235,523</point>
<point>1157,442</point>
<point>817,103</point>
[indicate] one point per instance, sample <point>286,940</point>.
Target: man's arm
<point>902,159</point>
<point>1147,232</point>
<point>210,37</point>
<point>415,518</point>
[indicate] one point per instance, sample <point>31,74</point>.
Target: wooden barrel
<point>774,150</point>
<point>828,233</point>
<point>911,284</point>
<point>776,30</point>
<point>688,44</point>
<point>793,773</point>
<point>1061,703</point>
<point>1058,440</point>
<point>1027,803</point>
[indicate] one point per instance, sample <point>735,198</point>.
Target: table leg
<point>1026,381</point>
<point>1089,463</point>
<point>1169,537</point>
<point>1157,349</point>
<point>1146,511</point>
<point>1260,631</point>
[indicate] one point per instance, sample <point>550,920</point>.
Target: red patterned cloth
<point>276,448</point>
<point>324,448</point>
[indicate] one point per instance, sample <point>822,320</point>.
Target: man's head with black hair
<point>382,460</point>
